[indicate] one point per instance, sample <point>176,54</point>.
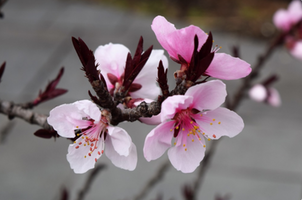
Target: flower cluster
<point>290,22</point>
<point>187,116</point>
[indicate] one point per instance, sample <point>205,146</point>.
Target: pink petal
<point>120,140</point>
<point>174,104</point>
<point>111,58</point>
<point>148,76</point>
<point>154,120</point>
<point>209,95</point>
<point>188,160</point>
<point>68,117</point>
<point>227,67</point>
<point>128,162</point>
<point>258,93</point>
<point>296,51</point>
<point>158,141</point>
<point>281,20</point>
<point>295,11</point>
<point>220,122</point>
<point>79,159</point>
<point>274,98</point>
<point>177,41</point>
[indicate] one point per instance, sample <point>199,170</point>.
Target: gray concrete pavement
<point>264,162</point>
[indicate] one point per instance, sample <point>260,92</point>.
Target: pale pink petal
<point>111,58</point>
<point>274,98</point>
<point>127,162</point>
<point>227,67</point>
<point>296,51</point>
<point>89,108</point>
<point>177,41</point>
<point>295,11</point>
<point>158,141</point>
<point>79,159</point>
<point>174,104</point>
<point>187,160</point>
<point>220,122</point>
<point>148,76</point>
<point>68,117</point>
<point>209,95</point>
<point>120,140</point>
<point>258,93</point>
<point>281,20</point>
<point>154,120</point>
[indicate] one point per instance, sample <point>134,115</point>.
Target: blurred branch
<point>238,97</point>
<point>158,176</point>
<point>91,177</point>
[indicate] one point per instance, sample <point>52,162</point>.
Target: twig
<point>89,181</point>
<point>12,110</point>
<point>154,180</point>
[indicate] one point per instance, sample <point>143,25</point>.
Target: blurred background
<point>263,162</point>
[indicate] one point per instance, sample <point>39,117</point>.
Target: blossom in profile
<point>269,95</point>
<point>187,120</point>
<point>182,46</point>
<point>111,61</point>
<point>285,19</point>
<point>84,121</point>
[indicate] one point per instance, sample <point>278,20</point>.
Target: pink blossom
<point>111,60</point>
<point>285,19</point>
<point>294,47</point>
<point>181,43</point>
<point>94,134</point>
<point>269,95</point>
<point>186,120</point>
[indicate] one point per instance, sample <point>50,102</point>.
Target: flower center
<point>186,129</point>
<point>91,137</point>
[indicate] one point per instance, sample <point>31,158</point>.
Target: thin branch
<point>12,110</point>
<point>91,177</point>
<point>154,180</point>
<point>238,97</point>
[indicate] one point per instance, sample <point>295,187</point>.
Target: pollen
<point>78,134</point>
<point>183,129</point>
<point>85,156</point>
<point>177,127</point>
<point>200,115</point>
<point>192,140</point>
<point>191,122</point>
<point>74,142</point>
<point>82,137</point>
<point>174,143</point>
<point>186,149</point>
<point>77,126</point>
<point>214,120</point>
<point>203,133</point>
<point>184,145</point>
<point>171,129</point>
<point>209,139</point>
<point>199,138</point>
<point>84,145</point>
<point>211,123</point>
<point>188,134</point>
<point>219,122</point>
<point>204,146</point>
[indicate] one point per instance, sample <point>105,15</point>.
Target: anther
<point>192,140</point>
<point>211,123</point>
<point>219,122</point>
<point>96,159</point>
<point>77,147</point>
<point>214,136</point>
<point>213,120</point>
<point>204,146</point>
